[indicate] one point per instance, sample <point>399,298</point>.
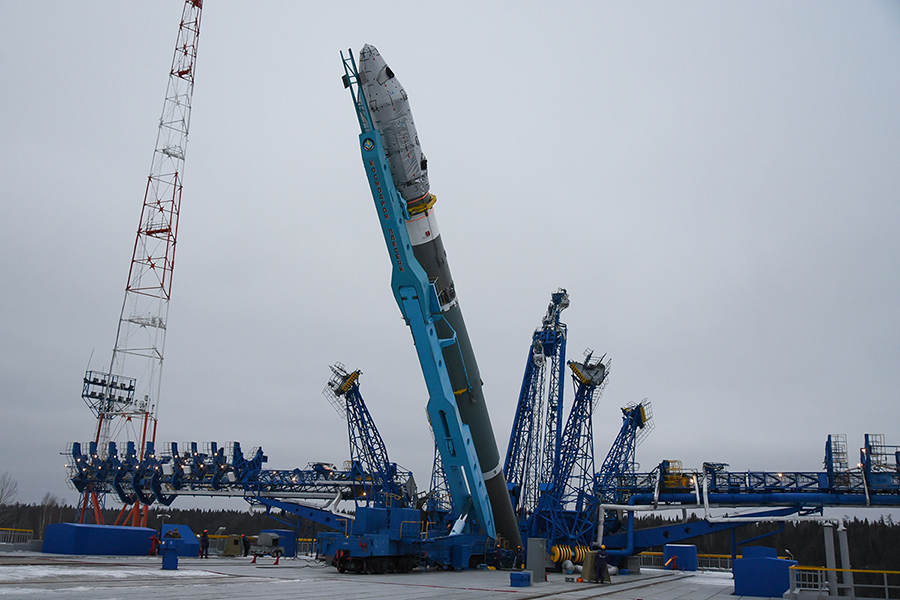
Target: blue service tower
<point>423,287</point>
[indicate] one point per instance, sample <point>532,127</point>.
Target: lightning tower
<point>125,399</point>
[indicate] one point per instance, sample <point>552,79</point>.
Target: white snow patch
<point>27,573</point>
<point>713,578</point>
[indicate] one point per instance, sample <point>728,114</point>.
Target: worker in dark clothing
<point>520,558</point>
<point>601,573</point>
<point>245,542</point>
<point>204,544</point>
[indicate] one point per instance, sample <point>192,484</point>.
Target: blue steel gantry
<point>578,507</point>
<point>567,508</point>
<point>791,495</point>
<point>571,508</point>
<point>531,453</point>
<point>368,479</point>
<point>620,461</point>
<point>375,478</point>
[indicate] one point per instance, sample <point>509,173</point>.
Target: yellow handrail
<point>805,568</point>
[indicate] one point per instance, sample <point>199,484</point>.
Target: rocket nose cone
<point>367,51</point>
<point>370,63</point>
<point>370,59</point>
<point>373,71</point>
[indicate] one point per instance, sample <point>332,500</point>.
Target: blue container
<point>97,540</point>
<point>520,579</point>
<point>685,557</point>
<point>760,574</point>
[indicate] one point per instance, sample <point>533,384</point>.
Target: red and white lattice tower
<point>125,399</point>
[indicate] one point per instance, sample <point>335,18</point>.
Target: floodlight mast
<point>127,395</point>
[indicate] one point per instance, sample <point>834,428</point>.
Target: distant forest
<point>36,517</point>
<point>873,544</point>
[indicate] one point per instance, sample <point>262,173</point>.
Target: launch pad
<point>99,578</point>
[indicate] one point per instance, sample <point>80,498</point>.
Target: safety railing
<point>706,562</point>
<point>16,536</point>
<point>714,562</point>
<point>819,582</point>
<point>653,560</point>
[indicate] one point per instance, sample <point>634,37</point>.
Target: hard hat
<point>602,547</point>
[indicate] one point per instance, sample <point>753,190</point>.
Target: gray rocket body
<point>389,106</point>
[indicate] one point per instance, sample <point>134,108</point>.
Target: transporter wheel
<point>406,564</point>
<point>369,566</point>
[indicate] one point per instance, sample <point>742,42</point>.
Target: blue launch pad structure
<point>601,507</point>
<point>389,533</point>
<point>549,472</point>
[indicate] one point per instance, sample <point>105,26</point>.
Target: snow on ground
<point>712,578</point>
<point>31,573</point>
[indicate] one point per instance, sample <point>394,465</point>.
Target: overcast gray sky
<point>716,184</point>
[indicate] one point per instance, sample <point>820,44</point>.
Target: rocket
<point>389,107</point>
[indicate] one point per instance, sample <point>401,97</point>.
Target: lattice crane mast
<point>619,466</point>
<point>373,474</point>
<point>531,453</point>
<point>565,513</point>
<point>127,395</point>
